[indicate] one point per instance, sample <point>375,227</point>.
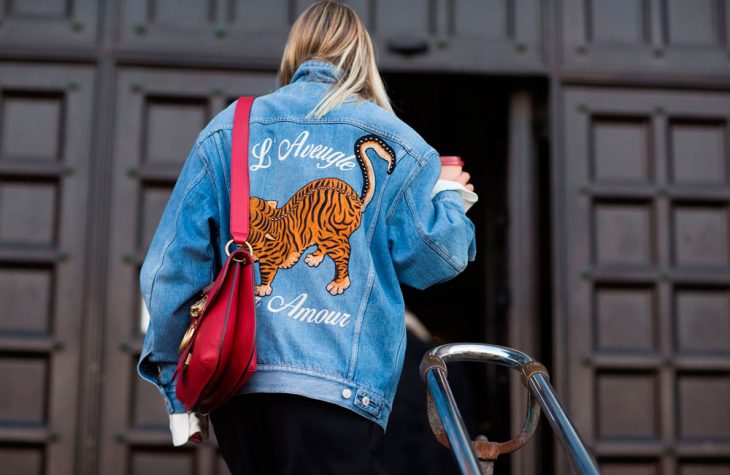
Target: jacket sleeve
<point>179,263</point>
<point>431,239</point>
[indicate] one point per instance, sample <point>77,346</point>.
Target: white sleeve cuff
<point>185,425</point>
<point>469,197</point>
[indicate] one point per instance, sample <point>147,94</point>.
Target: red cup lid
<point>451,160</point>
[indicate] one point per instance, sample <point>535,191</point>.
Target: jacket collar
<point>316,70</point>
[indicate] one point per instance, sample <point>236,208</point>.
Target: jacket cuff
<point>160,374</point>
<point>172,403</point>
<point>468,198</point>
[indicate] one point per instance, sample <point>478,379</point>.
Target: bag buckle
<point>196,310</point>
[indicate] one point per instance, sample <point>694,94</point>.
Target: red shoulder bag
<point>218,350</point>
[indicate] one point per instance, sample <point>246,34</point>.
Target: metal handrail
<point>475,457</point>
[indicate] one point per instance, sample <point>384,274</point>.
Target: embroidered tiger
<point>323,213</point>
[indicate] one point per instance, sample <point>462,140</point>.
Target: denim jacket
<point>341,214</point>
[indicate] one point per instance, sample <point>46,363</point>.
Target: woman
<point>330,330</point>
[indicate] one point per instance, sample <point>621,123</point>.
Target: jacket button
<point>365,401</point>
<point>346,393</point>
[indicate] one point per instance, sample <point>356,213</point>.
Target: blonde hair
<point>332,32</point>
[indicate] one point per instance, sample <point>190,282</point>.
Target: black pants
<point>262,434</point>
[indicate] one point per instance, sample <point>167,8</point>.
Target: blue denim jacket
<point>341,213</point>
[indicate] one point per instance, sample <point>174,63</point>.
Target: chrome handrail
<point>476,457</point>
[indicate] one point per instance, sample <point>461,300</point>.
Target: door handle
<point>408,45</point>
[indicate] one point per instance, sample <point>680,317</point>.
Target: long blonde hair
<point>330,31</point>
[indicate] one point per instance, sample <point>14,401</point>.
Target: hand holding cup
<point>452,169</point>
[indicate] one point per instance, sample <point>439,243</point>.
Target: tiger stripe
<point>324,213</point>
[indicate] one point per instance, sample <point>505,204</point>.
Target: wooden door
<point>643,322</point>
<point>160,114</point>
<point>45,128</point>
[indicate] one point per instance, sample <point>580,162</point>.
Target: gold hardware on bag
<point>187,359</point>
<point>197,308</point>
<point>187,337</point>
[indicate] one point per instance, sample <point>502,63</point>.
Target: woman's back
<point>340,213</point>
<point>344,207</point>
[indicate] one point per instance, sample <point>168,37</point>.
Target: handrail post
<point>452,421</point>
<point>541,394</point>
<point>555,414</point>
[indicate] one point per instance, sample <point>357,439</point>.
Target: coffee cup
<point>451,166</point>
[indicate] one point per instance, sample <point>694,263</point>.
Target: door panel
<point>45,125</point>
<point>43,22</point>
<point>646,35</point>
<point>463,35</point>
<point>160,114</point>
<point>645,205</point>
<point>471,35</point>
<point>243,28</point>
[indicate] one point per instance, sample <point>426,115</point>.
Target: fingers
<point>463,178</point>
<point>449,173</point>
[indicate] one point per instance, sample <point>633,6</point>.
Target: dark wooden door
<point>643,338</point>
<point>45,128</point>
<point>159,116</point>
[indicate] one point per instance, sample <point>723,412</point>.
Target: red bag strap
<point>239,170</point>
